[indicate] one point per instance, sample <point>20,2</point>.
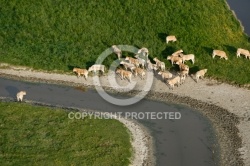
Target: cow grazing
<point>187,58</point>
<point>170,38</point>
<point>80,72</point>
<point>219,53</point>
<point>241,51</point>
<point>20,95</point>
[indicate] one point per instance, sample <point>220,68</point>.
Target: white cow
<point>187,57</point>
<point>161,65</point>
<point>243,52</point>
<point>170,38</point>
<point>142,61</point>
<point>140,72</point>
<point>149,65</point>
<point>144,51</point>
<point>200,74</point>
<point>97,67</point>
<point>220,53</point>
<point>133,61</point>
<point>174,81</point>
<point>165,75</point>
<point>175,59</point>
<point>128,65</point>
<point>177,53</point>
<point>117,51</point>
<point>124,74</point>
<point>20,95</point>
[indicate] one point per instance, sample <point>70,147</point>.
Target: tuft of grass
<point>61,34</point>
<point>35,135</point>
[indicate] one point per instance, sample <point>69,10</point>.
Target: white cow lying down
<point>20,95</point>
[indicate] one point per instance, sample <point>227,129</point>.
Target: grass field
<point>32,135</point>
<point>62,34</point>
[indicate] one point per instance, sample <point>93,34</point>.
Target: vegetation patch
<point>62,34</point>
<point>35,135</point>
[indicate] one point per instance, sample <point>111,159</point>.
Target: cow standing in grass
<point>175,59</point>
<point>171,38</point>
<point>117,51</point>
<point>187,57</point>
<point>241,51</point>
<point>177,53</point>
<point>219,53</point>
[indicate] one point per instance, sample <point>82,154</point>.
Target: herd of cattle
<point>138,65</point>
<point>141,62</point>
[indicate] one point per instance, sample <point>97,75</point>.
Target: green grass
<point>33,135</point>
<point>62,34</point>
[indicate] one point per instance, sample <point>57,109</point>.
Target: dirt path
<point>235,100</point>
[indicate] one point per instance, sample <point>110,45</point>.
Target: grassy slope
<point>61,34</point>
<point>41,136</point>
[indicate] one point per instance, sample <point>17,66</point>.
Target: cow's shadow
<point>12,91</point>
<point>230,48</point>
<point>162,37</point>
<point>208,50</point>
<point>169,50</point>
<point>192,71</point>
<point>70,67</point>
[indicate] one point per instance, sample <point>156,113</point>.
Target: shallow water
<point>242,11</point>
<point>185,141</point>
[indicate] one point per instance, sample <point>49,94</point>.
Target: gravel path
<point>218,97</point>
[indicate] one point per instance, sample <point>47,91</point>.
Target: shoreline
<point>234,14</point>
<point>140,138</point>
<point>230,123</point>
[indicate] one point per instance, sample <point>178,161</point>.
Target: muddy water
<point>185,141</point>
<point>242,11</point>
